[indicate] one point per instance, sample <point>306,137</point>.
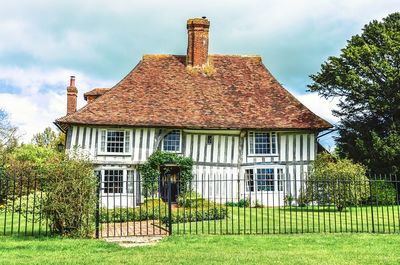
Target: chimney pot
<point>197,50</point>
<point>72,81</point>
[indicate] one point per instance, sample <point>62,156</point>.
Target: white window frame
<point>125,183</point>
<point>279,187</point>
<point>180,142</point>
<point>127,144</point>
<point>253,141</point>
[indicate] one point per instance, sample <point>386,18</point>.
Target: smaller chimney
<point>72,94</point>
<point>197,50</point>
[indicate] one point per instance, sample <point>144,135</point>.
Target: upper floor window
<point>114,141</point>
<point>262,143</point>
<point>172,142</point>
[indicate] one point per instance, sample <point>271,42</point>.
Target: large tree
<point>366,79</point>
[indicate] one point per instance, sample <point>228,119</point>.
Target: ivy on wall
<point>151,171</point>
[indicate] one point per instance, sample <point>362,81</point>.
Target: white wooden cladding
<point>293,147</point>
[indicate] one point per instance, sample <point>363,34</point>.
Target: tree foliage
<point>335,181</point>
<point>366,79</point>
<point>48,138</point>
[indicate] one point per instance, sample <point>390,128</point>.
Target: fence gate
<point>128,208</point>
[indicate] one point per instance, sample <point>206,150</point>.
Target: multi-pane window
<point>262,143</point>
<point>265,179</point>
<point>115,141</point>
<point>172,141</point>
<point>113,181</point>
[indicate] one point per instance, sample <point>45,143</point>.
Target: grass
<point>386,219</point>
<point>256,249</point>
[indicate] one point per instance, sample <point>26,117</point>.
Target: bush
<point>382,193</point>
<point>206,211</point>
<point>27,205</point>
<point>241,203</point>
<point>149,210</point>
<point>72,195</point>
<point>195,215</point>
<point>191,200</point>
<point>336,181</point>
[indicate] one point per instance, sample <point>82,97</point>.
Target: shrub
<point>383,193</point>
<point>72,195</point>
<point>195,215</point>
<point>150,209</point>
<point>191,200</point>
<point>336,181</point>
<point>288,200</point>
<point>27,205</point>
<point>241,203</point>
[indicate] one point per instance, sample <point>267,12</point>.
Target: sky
<point>43,42</point>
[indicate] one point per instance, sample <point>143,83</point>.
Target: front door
<point>172,173</point>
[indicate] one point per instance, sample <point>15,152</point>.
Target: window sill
<point>263,155</point>
<point>114,154</point>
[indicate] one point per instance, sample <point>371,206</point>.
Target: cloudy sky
<point>43,42</point>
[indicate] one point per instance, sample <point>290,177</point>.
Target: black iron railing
<point>217,204</point>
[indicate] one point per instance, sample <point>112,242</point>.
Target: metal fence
<point>264,202</point>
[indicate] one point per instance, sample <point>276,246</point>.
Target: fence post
<point>372,208</point>
<point>169,206</point>
<point>98,205</point>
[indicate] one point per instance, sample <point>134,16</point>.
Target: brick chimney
<point>72,94</point>
<point>197,50</point>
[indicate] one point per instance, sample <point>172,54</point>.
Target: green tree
<point>335,181</point>
<point>48,138</point>
<point>8,133</point>
<point>366,79</point>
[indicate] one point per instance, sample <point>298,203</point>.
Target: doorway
<point>172,173</point>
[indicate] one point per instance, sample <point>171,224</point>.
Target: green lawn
<point>255,249</point>
<point>386,219</point>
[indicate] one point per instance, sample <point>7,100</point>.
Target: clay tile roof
<point>96,92</point>
<point>233,92</point>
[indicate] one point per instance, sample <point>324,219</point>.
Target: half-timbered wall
<point>225,157</point>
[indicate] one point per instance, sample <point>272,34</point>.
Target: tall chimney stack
<point>197,50</point>
<point>72,94</point>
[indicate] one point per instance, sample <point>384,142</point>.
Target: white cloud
<point>320,106</point>
<point>42,98</point>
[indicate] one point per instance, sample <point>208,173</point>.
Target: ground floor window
<point>264,179</point>
<point>118,181</point>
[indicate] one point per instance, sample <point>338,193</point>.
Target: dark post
<point>98,205</point>
<point>372,208</point>
<point>169,206</point>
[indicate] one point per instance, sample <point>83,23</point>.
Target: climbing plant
<point>150,171</point>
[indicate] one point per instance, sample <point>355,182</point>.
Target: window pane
<point>265,179</point>
<point>131,184</point>
<point>127,141</point>
<point>113,181</point>
<point>280,179</point>
<point>103,141</point>
<point>250,179</point>
<point>172,141</point>
<point>115,141</point>
<point>260,143</point>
